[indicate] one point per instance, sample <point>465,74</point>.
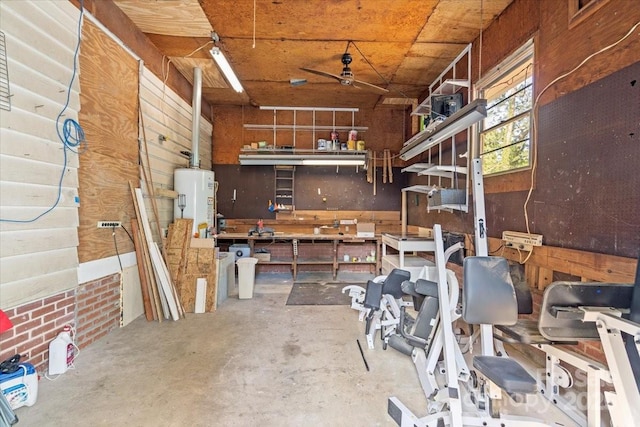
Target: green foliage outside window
<point>506,132</point>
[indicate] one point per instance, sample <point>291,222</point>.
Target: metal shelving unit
<point>443,166</point>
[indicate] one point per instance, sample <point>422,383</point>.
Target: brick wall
<point>93,309</point>
<point>98,307</point>
<point>34,326</point>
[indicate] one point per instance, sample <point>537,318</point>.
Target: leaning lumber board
<point>157,300</point>
<point>165,280</point>
<point>162,274</point>
<point>149,309</point>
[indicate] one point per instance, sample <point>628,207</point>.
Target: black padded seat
<point>393,283</point>
<point>506,373</point>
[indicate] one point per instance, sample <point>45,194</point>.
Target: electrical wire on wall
<point>165,77</point>
<point>70,132</point>
<point>534,116</point>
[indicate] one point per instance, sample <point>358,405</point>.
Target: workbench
<point>314,252</point>
<point>403,244</point>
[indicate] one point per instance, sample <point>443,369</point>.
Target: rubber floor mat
<point>318,293</point>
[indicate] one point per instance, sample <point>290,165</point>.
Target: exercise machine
<point>422,338</point>
<point>488,298</point>
<point>379,304</point>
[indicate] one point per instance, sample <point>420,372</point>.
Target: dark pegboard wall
<point>343,188</point>
<point>587,192</point>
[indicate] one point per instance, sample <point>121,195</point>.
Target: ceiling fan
<point>346,77</point>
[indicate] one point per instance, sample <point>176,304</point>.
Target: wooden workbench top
<point>291,236</point>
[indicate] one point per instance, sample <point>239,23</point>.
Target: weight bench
<point>570,313</point>
<point>488,299</point>
<point>379,304</point>
<point>591,311</point>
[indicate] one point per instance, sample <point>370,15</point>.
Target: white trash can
<point>246,277</point>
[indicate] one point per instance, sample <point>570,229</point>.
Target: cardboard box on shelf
<point>262,256</point>
<point>366,229</point>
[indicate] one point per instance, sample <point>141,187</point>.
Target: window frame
<point>523,55</point>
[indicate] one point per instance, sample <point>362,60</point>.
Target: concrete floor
<point>253,362</point>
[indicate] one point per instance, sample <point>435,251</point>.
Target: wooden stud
<point>149,309</point>
<point>147,260</point>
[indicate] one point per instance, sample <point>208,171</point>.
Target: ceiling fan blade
<point>369,87</point>
<point>297,82</point>
<point>322,73</point>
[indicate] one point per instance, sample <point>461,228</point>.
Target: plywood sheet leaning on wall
<point>188,264</point>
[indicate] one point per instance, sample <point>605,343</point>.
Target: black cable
<point>127,231</point>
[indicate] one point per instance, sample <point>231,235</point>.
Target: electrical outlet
<point>109,224</point>
<point>521,241</point>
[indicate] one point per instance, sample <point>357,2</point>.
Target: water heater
<point>196,189</point>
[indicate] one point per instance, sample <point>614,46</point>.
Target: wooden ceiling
<point>400,45</point>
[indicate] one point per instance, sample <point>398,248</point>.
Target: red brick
<point>42,311</point>
<point>68,302</point>
<point>14,341</point>
<point>53,299</point>
<point>34,323</point>
<point>28,307</point>
<point>8,334</point>
<point>26,346</point>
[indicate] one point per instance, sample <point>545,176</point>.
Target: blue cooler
<point>20,388</point>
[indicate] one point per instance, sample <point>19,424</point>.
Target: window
<point>505,134</point>
<point>579,10</point>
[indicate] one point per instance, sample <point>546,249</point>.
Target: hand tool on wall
<point>374,173</point>
<point>390,166</point>
<point>384,166</point>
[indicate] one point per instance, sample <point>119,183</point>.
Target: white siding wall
<point>37,258</point>
<point>165,113</point>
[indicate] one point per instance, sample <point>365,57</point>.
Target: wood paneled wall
<point>167,131</point>
<point>585,192</point>
<point>386,129</point>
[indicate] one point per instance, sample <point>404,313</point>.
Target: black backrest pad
<point>393,282</point>
<point>488,296</point>
<point>557,325</point>
<point>426,288</point>
<point>427,317</point>
<point>373,295</point>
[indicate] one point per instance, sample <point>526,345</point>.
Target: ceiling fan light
<point>226,69</point>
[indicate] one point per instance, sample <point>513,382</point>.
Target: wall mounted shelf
<point>446,172</point>
<point>293,157</point>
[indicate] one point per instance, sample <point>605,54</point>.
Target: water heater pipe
<point>195,121</point>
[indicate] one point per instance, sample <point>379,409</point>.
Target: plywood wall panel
<point>109,80</point>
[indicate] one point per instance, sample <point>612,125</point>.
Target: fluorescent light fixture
<point>303,159</point>
<point>462,119</point>
<point>226,69</point>
<point>320,162</point>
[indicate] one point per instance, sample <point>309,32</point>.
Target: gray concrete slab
<point>252,362</point>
